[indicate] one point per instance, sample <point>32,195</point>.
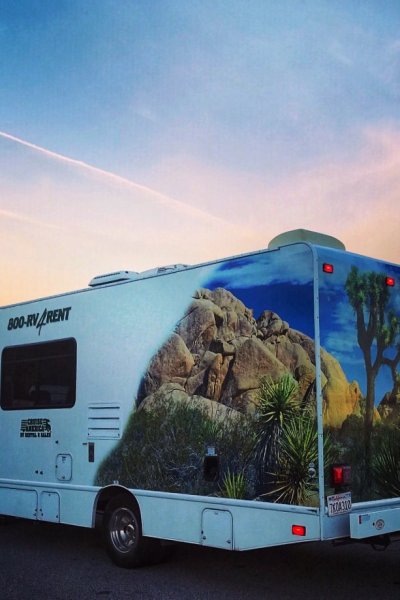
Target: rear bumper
<point>366,520</point>
<point>369,523</point>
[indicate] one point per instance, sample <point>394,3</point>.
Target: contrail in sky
<point>8,214</point>
<point>177,204</point>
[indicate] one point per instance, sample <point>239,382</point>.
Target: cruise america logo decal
<point>39,320</point>
<point>35,428</point>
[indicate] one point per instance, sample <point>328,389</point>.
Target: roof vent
<point>162,270</point>
<point>115,277</point>
<point>304,235</point>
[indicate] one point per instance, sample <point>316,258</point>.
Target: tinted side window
<point>39,375</point>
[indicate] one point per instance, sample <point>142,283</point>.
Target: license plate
<point>339,504</point>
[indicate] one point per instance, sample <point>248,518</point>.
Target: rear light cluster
<point>340,476</point>
<point>328,268</point>
<point>340,480</point>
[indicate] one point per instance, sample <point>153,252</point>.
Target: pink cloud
<point>345,198</point>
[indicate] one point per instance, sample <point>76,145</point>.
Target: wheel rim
<point>123,529</point>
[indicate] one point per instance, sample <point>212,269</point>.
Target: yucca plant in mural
<point>278,403</point>
<point>295,480</point>
<point>233,485</point>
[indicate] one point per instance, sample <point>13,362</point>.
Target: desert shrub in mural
<point>164,445</point>
<point>386,462</point>
<point>349,448</point>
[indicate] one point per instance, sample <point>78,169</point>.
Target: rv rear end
<point>359,315</point>
<point>226,404</point>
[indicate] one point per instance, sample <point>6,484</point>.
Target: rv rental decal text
<point>39,320</point>
<point>35,428</point>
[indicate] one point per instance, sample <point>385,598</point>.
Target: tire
<point>123,534</point>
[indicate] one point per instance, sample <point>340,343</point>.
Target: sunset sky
<point>138,133</point>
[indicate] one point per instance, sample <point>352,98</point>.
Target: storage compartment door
<point>49,507</point>
<point>217,528</point>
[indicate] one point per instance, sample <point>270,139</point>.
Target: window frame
<point>38,357</point>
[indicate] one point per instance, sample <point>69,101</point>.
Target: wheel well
<point>105,495</point>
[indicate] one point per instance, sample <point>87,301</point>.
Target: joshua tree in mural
<point>377,331</point>
<point>278,403</point>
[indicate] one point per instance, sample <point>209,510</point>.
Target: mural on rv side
<point>360,326</point>
<point>227,405</point>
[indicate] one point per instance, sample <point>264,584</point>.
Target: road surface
<point>45,561</point>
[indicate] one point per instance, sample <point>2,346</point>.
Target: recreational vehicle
<point>243,403</point>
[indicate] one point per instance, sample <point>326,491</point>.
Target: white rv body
<point>50,455</point>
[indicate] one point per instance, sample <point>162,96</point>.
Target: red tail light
<point>390,281</point>
<point>327,268</point>
<point>298,530</point>
<point>340,475</point>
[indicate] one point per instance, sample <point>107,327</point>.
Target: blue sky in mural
<point>261,283</point>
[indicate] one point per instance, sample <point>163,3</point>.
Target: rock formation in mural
<point>219,352</point>
<point>389,407</point>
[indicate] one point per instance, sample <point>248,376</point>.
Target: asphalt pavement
<point>45,561</point>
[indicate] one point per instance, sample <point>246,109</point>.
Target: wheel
<point>123,535</point>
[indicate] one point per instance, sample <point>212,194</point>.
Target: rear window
<point>39,375</point>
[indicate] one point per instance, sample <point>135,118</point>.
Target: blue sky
<point>121,82</point>
<point>211,126</point>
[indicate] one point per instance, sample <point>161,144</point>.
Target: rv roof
<point>304,235</point>
<point>119,276</point>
